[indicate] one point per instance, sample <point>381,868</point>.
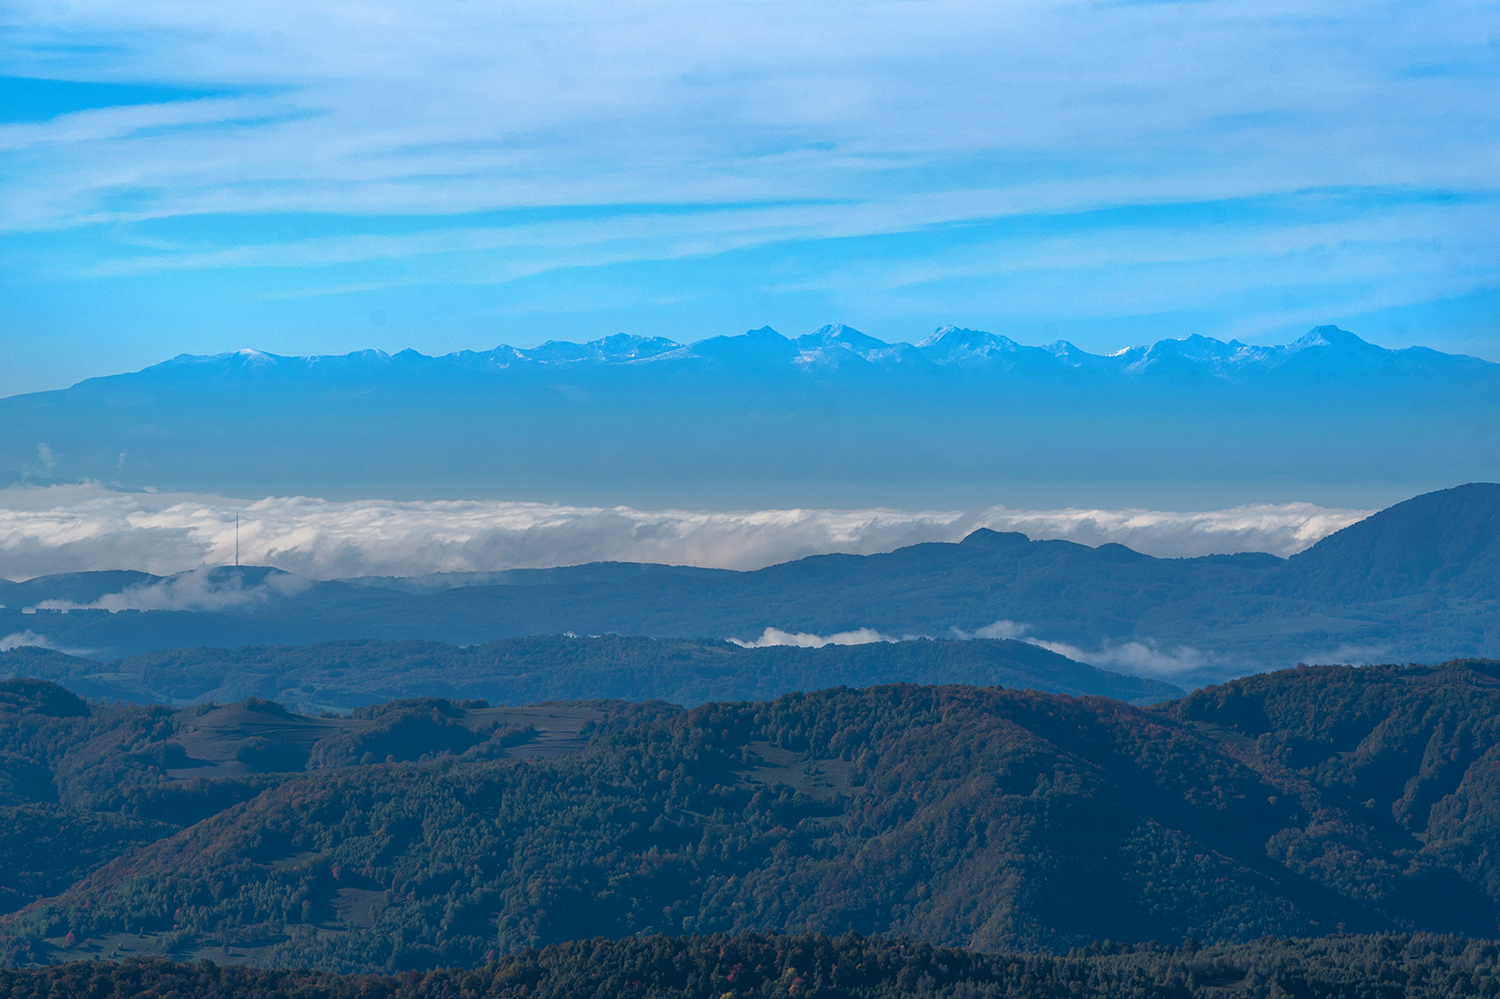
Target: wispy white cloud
<point>1352,250</point>
<point>1000,629</point>
<point>18,639</point>
<point>199,589</point>
<point>1138,658</point>
<point>73,528</point>
<point>807,640</point>
<point>450,106</point>
<point>1280,529</point>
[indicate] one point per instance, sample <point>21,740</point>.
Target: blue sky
<point>315,177</point>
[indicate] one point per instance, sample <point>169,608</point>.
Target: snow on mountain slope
<point>1326,347</point>
<point>831,418</point>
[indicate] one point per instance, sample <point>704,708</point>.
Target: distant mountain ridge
<point>1323,349</point>
<point>833,418</point>
<point>339,676</point>
<point>1418,582</point>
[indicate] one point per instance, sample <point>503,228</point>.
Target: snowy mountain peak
<point>1323,353</point>
<point>841,336</point>
<point>831,345</point>
<point>618,347</point>
<point>1069,353</point>
<point>1331,336</point>
<point>953,343</point>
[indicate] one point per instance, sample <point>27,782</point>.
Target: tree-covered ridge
<point>1399,768</point>
<point>55,747</point>
<point>85,783</point>
<point>58,749</point>
<point>755,966</point>
<point>1298,803</point>
<point>986,818</point>
<point>341,675</point>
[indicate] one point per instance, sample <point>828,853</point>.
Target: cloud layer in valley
<point>87,527</point>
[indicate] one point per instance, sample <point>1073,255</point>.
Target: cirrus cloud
<point>683,167</point>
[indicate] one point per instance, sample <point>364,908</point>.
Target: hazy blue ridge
<point>833,418</point>
<point>342,675</point>
<point>1417,582</point>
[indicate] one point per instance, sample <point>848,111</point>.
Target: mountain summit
<point>832,418</point>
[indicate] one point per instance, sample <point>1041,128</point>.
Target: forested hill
<point>1419,582</point>
<point>430,833</point>
<point>342,675</point>
<point>755,966</point>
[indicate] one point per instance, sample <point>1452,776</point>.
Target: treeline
<point>755,966</point>
<point>57,748</point>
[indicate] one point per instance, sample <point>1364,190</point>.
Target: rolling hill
<point>1298,803</point>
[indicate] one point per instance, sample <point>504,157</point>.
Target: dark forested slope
<point>1297,803</point>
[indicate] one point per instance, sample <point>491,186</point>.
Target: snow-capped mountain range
<point>1325,348</point>
<point>832,418</point>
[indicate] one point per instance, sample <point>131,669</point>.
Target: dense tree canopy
<point>753,966</point>
<point>1295,804</point>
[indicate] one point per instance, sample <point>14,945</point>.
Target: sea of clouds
<point>86,527</point>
